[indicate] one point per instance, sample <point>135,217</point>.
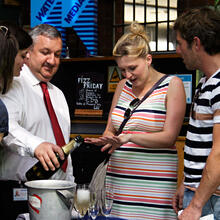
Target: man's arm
<point>19,139</point>
<point>209,182</point>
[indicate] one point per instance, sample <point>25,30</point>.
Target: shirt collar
<point>32,79</point>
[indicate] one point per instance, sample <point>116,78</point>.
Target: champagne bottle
<point>37,172</point>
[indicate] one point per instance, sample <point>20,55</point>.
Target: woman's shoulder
<point>173,79</point>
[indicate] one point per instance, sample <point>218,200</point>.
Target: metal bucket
<point>50,199</point>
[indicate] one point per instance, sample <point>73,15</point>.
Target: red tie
<point>53,118</point>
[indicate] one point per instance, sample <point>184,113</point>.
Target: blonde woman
<point>143,165</point>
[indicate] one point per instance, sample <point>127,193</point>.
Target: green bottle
<point>37,172</point>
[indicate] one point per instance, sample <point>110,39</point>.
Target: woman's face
<point>134,69</point>
<point>19,61</point>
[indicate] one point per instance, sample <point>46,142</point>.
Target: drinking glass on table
<point>82,199</point>
<point>107,197</point>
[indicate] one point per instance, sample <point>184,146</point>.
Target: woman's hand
<point>96,141</point>
<point>177,201</point>
<point>114,142</point>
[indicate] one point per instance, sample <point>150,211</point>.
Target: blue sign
<point>40,10</point>
<point>81,15</point>
<point>187,82</point>
<point>72,9</point>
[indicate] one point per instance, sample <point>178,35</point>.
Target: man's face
<point>187,53</point>
<point>44,58</point>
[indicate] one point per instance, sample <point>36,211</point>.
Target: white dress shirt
<point>29,126</point>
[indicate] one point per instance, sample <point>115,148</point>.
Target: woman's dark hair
<point>23,38</point>
<point>12,39</point>
<point>8,52</point>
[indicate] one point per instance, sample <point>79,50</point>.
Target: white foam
<point>83,195</point>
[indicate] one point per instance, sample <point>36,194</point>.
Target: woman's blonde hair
<point>134,43</point>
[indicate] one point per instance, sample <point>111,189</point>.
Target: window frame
<point>120,24</point>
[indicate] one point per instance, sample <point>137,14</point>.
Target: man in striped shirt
<point>198,42</point>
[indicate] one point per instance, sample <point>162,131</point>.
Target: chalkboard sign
<point>89,94</point>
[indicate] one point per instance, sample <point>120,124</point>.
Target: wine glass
<point>93,208</point>
<point>82,199</point>
<point>107,196</point>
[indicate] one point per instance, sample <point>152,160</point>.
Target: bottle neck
<point>72,145</point>
<point>69,147</point>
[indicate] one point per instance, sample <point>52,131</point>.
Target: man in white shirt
<point>31,136</point>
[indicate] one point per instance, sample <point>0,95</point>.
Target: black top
<point>3,118</point>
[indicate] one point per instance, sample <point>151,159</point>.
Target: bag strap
<point>126,119</point>
<point>145,96</point>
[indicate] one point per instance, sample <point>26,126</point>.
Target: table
<point>102,218</point>
<point>25,216</point>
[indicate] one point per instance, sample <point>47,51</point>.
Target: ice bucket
<point>50,199</point>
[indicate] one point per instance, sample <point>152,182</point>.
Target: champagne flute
<point>93,208</point>
<point>107,196</point>
<point>82,199</point>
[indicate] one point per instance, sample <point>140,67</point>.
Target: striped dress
<point>144,179</point>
